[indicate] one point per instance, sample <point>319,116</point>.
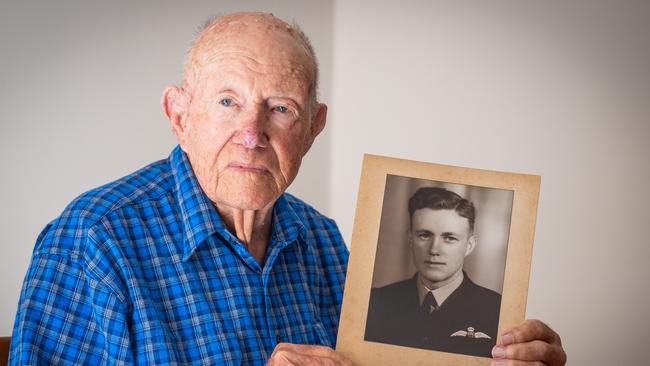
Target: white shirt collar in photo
<point>440,294</point>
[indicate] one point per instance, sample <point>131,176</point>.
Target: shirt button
<point>278,339</point>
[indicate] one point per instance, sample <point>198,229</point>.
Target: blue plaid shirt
<point>143,271</point>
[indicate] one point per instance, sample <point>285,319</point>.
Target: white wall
<point>556,88</point>
<point>80,84</point>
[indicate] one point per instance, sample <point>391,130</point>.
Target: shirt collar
<point>440,294</point>
<point>200,216</point>
<point>287,226</point>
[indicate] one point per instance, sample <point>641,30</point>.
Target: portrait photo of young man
<point>439,307</point>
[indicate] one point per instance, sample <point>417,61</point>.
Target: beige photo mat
<point>363,249</point>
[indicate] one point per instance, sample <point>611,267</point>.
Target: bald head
<point>261,34</point>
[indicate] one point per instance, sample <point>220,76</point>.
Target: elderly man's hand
<point>529,343</point>
<point>300,354</point>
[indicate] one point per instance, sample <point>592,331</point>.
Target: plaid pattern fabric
<point>143,271</point>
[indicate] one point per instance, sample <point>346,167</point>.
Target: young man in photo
<point>438,308</point>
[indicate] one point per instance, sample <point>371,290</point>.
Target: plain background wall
<point>556,88</point>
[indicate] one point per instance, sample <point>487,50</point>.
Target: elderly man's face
<point>248,119</point>
<point>440,240</point>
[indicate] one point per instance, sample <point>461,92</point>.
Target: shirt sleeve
<point>67,317</point>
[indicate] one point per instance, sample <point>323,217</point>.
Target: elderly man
<point>202,258</point>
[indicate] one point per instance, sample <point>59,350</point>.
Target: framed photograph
<point>439,262</point>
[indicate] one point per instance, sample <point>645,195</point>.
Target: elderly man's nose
<point>251,138</point>
<point>251,133</point>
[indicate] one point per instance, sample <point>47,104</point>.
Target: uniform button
<point>278,339</point>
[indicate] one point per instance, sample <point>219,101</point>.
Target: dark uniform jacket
<point>460,325</point>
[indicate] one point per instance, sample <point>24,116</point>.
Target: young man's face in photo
<point>440,240</point>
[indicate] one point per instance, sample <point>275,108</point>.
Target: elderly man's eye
<point>281,109</point>
<point>226,102</point>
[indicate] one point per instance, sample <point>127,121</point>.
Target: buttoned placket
<point>275,334</point>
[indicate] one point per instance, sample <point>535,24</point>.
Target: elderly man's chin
<point>247,191</point>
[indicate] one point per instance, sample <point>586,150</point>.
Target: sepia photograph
<point>440,259</point>
<point>439,266</point>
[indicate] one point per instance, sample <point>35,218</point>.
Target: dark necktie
<point>429,304</point>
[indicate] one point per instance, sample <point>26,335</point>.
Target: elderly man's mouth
<point>246,167</point>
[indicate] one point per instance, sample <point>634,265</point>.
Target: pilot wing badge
<point>470,333</point>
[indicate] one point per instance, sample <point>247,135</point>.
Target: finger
<point>300,354</point>
<point>527,331</point>
<point>517,363</point>
<point>289,358</point>
<point>549,354</point>
<point>298,359</point>
<point>310,350</point>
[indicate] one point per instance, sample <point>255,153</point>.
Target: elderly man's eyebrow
<point>225,90</point>
<point>285,97</point>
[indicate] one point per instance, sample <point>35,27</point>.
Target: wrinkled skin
<point>245,118</point>
<point>530,343</point>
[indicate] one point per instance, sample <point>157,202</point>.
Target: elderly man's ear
<point>174,104</point>
<point>317,125</point>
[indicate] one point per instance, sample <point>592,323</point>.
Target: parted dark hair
<point>441,199</point>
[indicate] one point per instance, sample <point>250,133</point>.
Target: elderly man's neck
<point>252,228</point>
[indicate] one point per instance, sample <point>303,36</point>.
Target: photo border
<point>365,235</point>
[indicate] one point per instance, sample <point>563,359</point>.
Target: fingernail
<point>498,352</point>
<point>507,339</point>
<point>498,363</point>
